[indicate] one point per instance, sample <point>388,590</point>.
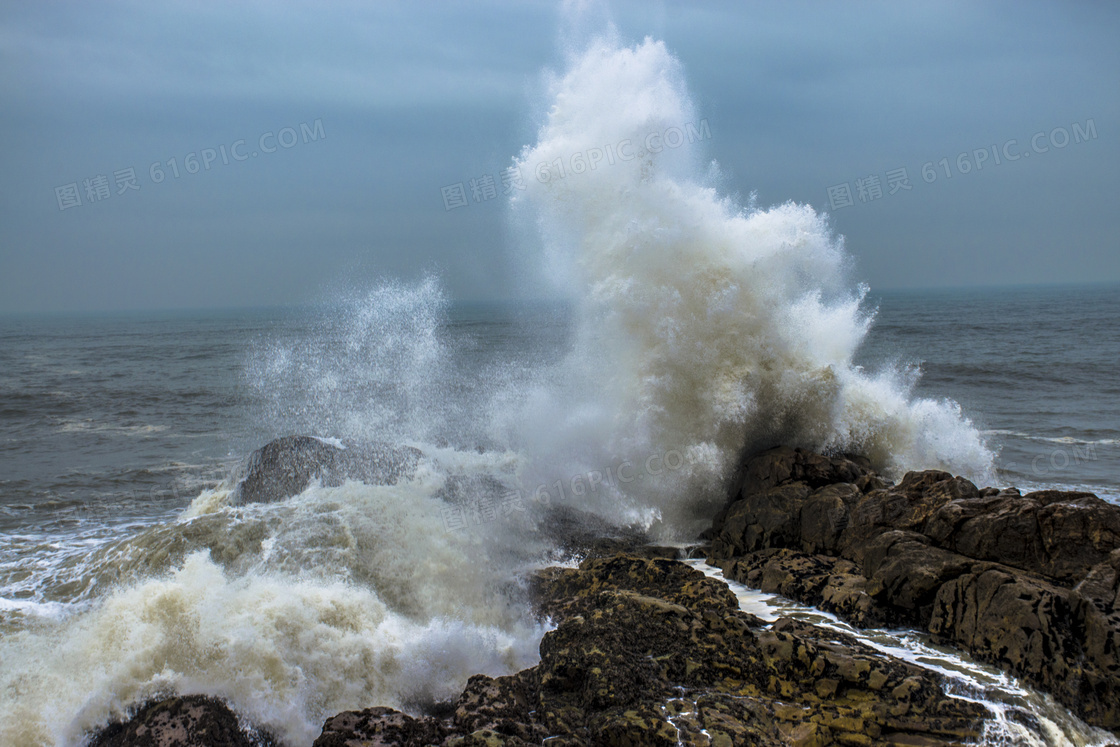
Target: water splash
<point>703,326</point>
<point>368,368</point>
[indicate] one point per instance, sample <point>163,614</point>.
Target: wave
<point>703,325</point>
<point>90,426</point>
<point>1068,440</point>
<point>335,599</point>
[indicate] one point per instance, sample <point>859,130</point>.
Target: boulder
<point>1057,534</point>
<point>828,583</point>
<point>784,465</point>
<point>286,466</point>
<point>186,721</point>
<point>379,727</point>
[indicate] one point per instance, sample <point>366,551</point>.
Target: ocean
<point>691,328</point>
<point>108,418</point>
<point>116,430</point>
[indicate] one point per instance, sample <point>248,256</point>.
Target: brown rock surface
<point>648,651</point>
<point>1029,582</point>
<point>188,721</point>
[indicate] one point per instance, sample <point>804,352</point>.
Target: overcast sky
<point>351,118</point>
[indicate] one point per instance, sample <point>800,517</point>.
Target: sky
<point>197,154</point>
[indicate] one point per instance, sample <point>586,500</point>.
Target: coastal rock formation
<point>1028,582</point>
<point>188,721</point>
<point>648,651</point>
<point>286,466</point>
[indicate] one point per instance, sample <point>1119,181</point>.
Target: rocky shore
<point>649,651</point>
<point>1030,582</point>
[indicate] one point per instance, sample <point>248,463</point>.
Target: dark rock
<point>566,592</point>
<point>187,721</point>
<point>1101,586</point>
<point>907,570</point>
<point>829,583</point>
<point>771,518</point>
<point>824,517</point>
<point>579,534</point>
<point>907,506</point>
<point>1029,582</point>
<point>1058,534</point>
<point>648,651</point>
<point>379,727</point>
<point>783,465</point>
<point>1021,621</point>
<point>286,466</point>
<point>502,706</point>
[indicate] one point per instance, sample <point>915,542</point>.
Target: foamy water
<point>702,324</point>
<point>335,599</point>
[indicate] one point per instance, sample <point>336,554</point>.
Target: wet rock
<point>648,651</point>
<point>567,592</point>
<point>501,705</point>
<point>1025,623</point>
<point>188,721</point>
<point>1029,582</point>
<point>831,584</point>
<point>286,466</point>
<point>379,727</point>
<point>784,465</point>
<point>771,518</point>
<point>577,534</point>
<point>1058,534</point>
<point>906,570</point>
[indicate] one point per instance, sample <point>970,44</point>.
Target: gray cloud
<point>800,97</point>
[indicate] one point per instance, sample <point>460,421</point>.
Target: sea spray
<point>292,611</point>
<point>339,598</point>
<point>702,326</point>
<point>370,366</point>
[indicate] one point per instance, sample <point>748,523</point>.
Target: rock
<point>907,570</point>
<point>566,592</point>
<point>783,465</point>
<point>578,534</point>
<point>1021,622</point>
<point>1057,534</point>
<point>771,518</point>
<point>379,727</point>
<point>187,721</point>
<point>824,517</point>
<point>286,466</point>
<point>502,706</point>
<point>648,651</point>
<point>1029,582</point>
<point>829,583</point>
<point>1101,585</point>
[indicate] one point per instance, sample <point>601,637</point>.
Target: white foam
<point>339,598</point>
<point>369,371</point>
<point>702,324</point>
